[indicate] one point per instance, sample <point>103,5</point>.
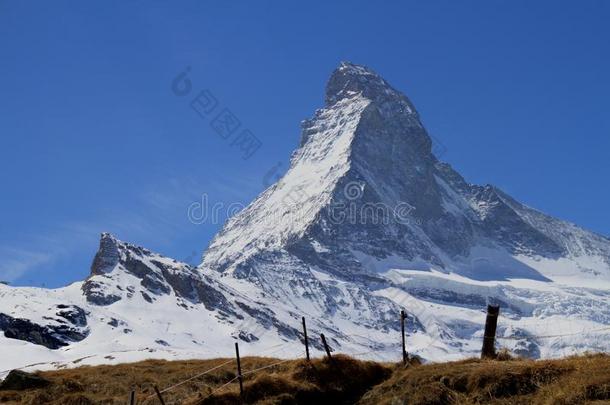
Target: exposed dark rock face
<point>156,276</point>
<point>96,293</point>
<point>73,314</point>
<point>150,279</point>
<point>107,256</point>
<point>246,336</point>
<point>267,319</point>
<point>146,297</point>
<point>526,349</point>
<point>193,286</point>
<point>52,336</point>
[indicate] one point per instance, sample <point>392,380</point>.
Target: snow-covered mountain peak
<point>350,79</point>
<point>365,222</point>
<point>368,152</point>
<point>117,263</point>
<point>369,136</point>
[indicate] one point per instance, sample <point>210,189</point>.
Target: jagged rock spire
<point>107,256</point>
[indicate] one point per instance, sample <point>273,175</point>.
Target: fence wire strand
<point>270,365</point>
<point>214,391</point>
<point>190,379</point>
<point>277,348</point>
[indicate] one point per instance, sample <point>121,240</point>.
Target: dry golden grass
<point>575,380</point>
<point>113,384</point>
<point>342,378</point>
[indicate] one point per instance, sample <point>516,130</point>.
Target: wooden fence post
<point>403,316</point>
<point>326,346</point>
<point>489,337</point>
<point>132,398</point>
<point>306,341</point>
<point>239,376</point>
<point>159,395</point>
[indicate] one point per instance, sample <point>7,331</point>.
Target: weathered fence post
<point>403,316</point>
<point>239,376</point>
<point>132,398</point>
<point>325,346</point>
<point>159,395</point>
<point>489,337</point>
<point>306,341</point>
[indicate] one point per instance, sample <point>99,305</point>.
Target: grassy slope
<point>569,381</point>
<point>575,380</point>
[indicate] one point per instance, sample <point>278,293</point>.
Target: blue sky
<point>92,138</point>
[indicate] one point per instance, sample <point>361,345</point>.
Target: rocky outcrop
<point>18,380</point>
<point>107,257</point>
<point>154,274</point>
<point>54,335</point>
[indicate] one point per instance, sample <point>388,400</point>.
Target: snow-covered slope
<point>136,304</point>
<point>366,222</point>
<point>365,183</point>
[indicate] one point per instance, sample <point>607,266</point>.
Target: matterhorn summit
<point>365,192</point>
<point>366,222</point>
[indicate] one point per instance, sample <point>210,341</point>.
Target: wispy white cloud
<point>14,263</point>
<point>160,217</point>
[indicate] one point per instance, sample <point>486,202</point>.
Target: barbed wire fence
<point>376,351</point>
<point>489,341</point>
